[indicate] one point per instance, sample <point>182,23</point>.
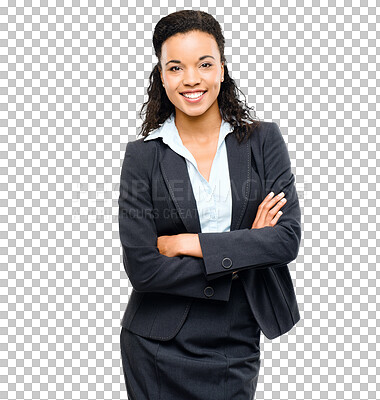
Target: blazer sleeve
<point>148,270</point>
<point>258,248</point>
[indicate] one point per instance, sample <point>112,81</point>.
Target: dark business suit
<point>156,199</point>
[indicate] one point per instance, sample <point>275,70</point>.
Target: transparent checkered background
<point>73,78</point>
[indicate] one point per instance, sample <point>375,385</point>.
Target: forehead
<point>189,45</point>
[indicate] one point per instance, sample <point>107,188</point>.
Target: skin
<point>196,123</point>
<point>199,124</point>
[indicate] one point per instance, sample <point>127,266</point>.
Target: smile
<point>194,97</point>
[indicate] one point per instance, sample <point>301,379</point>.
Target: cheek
<point>170,90</point>
<point>216,86</point>
<point>216,82</point>
<point>175,99</point>
<point>171,86</point>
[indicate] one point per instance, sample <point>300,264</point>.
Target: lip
<point>197,100</point>
<point>194,91</point>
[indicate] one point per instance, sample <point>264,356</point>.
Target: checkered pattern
<point>73,78</point>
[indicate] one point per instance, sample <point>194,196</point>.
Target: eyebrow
<point>178,62</point>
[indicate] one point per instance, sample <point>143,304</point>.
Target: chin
<point>193,112</point>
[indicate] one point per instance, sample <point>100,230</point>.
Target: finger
<point>266,210</point>
<point>270,214</point>
<point>267,198</point>
<point>279,204</point>
<point>276,218</point>
<point>275,199</point>
<point>271,208</point>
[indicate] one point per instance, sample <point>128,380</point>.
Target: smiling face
<point>191,63</point>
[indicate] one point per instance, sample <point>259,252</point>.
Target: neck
<point>202,128</point>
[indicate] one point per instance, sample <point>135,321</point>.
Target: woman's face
<point>191,62</point>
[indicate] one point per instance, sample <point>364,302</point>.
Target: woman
<point>204,246</point>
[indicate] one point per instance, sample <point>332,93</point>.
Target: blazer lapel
<point>239,164</point>
<point>176,176</point>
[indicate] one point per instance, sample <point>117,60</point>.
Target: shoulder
<point>141,144</point>
<point>263,128</point>
<point>265,132</point>
<point>142,147</point>
<point>141,154</point>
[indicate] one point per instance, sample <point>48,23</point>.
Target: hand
<point>268,211</point>
<point>169,245</point>
<point>182,244</point>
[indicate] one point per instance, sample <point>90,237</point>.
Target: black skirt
<point>214,356</point>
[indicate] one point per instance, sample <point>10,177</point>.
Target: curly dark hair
<point>159,107</point>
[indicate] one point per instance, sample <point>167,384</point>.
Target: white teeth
<point>193,95</point>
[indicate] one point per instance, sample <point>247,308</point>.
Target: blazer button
<point>208,291</point>
<point>226,262</point>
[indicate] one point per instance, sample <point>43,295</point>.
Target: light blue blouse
<point>214,202</point>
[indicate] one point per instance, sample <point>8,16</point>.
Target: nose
<point>191,77</point>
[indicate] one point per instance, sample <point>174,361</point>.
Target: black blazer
<point>156,198</point>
